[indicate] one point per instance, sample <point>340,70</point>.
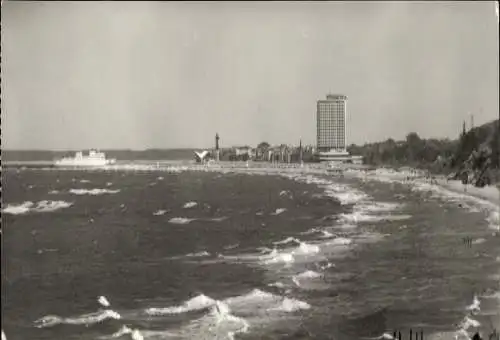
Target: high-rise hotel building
<point>331,124</point>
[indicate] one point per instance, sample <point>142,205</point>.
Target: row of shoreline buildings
<point>331,141</point>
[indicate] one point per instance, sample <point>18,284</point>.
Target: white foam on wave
<point>53,192</point>
<point>379,206</point>
<point>276,257</point>
<point>84,181</point>
<point>181,220</point>
<point>263,302</point>
<point>342,192</point>
<point>361,217</point>
<point>103,301</point>
<point>159,212</point>
<point>135,334</point>
<point>475,306</point>
<point>468,323</point>
<point>199,254</point>
<point>287,240</point>
<point>494,220</point>
<point>286,193</point>
<point>42,206</point>
<point>309,274</point>
<point>340,241</point>
<point>279,211</point>
<point>197,303</point>
<point>85,319</point>
<point>219,322</point>
<point>291,305</point>
<point>93,192</point>
<point>216,219</point>
<point>190,205</point>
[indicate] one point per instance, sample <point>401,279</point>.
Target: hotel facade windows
<point>331,124</point>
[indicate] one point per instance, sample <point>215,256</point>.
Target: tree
<point>263,145</point>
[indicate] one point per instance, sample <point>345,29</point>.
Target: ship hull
<point>87,164</point>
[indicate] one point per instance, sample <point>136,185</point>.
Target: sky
<point>138,75</point>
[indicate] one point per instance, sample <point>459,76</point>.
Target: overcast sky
<point>164,75</point>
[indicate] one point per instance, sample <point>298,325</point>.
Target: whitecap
<point>93,192</point>
<point>181,220</point>
<point>42,206</point>
<point>306,249</point>
<point>340,241</point>
<point>469,323</point>
<point>278,257</point>
<point>189,205</point>
<point>103,301</point>
<point>309,274</point>
<point>291,305</point>
<point>85,319</point>
<point>159,212</point>
<point>279,211</point>
<point>198,254</point>
<point>287,240</point>
<point>197,303</point>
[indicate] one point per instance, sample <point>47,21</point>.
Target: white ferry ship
<point>93,159</point>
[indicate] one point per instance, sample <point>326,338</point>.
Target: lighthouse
<point>217,158</point>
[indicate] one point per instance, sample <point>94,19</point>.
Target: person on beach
<point>465,180</point>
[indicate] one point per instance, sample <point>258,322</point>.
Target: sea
<point>180,253</point>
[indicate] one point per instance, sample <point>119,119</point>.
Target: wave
<point>279,211</point>
<point>42,206</point>
<point>343,193</point>
<point>258,300</point>
<point>160,212</point>
<point>198,254</point>
<point>494,220</point>
<point>286,193</point>
<point>379,206</point>
<point>85,319</point>
<point>93,191</point>
<point>220,322</point>
<point>360,217</point>
<point>189,205</point>
<point>340,241</point>
<point>309,274</point>
<point>198,302</point>
<point>135,334</point>
<point>103,301</point>
<point>181,220</point>
<point>287,240</point>
<point>216,219</point>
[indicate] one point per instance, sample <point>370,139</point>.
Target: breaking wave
<point>93,192</point>
<point>42,206</point>
<point>181,220</point>
<point>189,205</point>
<point>86,319</point>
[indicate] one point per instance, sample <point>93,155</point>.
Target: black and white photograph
<point>250,170</point>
